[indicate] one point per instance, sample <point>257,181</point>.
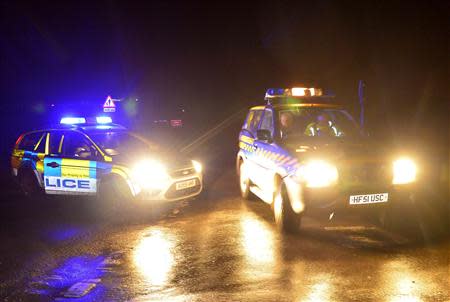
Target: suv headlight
<point>404,171</point>
<point>197,166</point>
<point>150,174</point>
<point>317,174</point>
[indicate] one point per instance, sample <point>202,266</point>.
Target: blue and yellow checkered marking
<point>274,156</point>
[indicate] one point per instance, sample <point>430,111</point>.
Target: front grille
<point>182,172</point>
<point>173,193</point>
<point>367,174</point>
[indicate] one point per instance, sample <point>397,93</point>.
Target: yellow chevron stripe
<point>247,139</point>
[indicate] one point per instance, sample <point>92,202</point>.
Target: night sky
<point>215,58</point>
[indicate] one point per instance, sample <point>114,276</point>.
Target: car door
<point>253,156</point>
<point>30,153</point>
<point>266,152</point>
<point>71,165</point>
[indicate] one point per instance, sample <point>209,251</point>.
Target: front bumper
<point>172,191</point>
<point>337,198</point>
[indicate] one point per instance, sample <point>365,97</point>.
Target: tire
<point>244,182</point>
<point>28,183</point>
<point>286,219</point>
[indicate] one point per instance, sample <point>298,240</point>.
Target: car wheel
<point>285,217</point>
<point>244,182</point>
<point>28,184</point>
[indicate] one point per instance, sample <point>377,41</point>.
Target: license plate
<point>369,198</point>
<point>185,184</point>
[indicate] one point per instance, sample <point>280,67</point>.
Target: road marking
<point>52,285</point>
<point>79,289</point>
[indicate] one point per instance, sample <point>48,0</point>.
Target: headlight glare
<point>318,174</point>
<point>150,174</point>
<point>197,166</point>
<point>404,171</point>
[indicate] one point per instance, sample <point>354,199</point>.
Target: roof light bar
<point>293,92</point>
<point>73,120</point>
<point>103,120</point>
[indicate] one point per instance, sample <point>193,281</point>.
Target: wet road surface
<point>215,248</point>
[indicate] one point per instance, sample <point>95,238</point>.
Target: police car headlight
<point>197,166</point>
<point>405,171</point>
<point>317,174</point>
<point>150,174</point>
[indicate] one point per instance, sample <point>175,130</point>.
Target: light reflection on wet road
<point>233,252</point>
<point>154,258</point>
<point>221,248</point>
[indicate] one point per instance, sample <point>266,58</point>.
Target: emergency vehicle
<point>302,153</point>
<point>94,156</point>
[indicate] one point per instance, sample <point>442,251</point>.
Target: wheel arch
<point>116,175</point>
<point>239,161</point>
<point>26,167</point>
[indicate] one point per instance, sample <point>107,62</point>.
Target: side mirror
<point>264,135</point>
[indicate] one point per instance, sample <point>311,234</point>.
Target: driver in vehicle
<point>286,123</point>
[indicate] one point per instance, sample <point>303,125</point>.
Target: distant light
<point>73,120</point>
<point>176,123</point>
<point>104,120</point>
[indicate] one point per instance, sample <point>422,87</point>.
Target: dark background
<point>212,59</point>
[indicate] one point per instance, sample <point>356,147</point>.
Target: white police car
<point>85,156</point>
<point>303,154</point>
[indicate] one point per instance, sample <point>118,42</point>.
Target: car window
<point>255,121</point>
<point>40,147</point>
<point>30,141</point>
<point>121,143</point>
<point>316,122</point>
<point>267,121</point>
<point>76,145</point>
<point>54,144</point>
<point>248,120</point>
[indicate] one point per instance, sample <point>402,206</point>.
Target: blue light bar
<point>73,120</point>
<point>104,120</point>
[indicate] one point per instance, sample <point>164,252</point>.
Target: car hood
<point>338,151</point>
<point>172,161</point>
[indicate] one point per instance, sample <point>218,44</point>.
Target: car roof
<point>297,105</point>
<point>85,128</point>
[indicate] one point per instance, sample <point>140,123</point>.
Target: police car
<point>85,156</point>
<point>303,154</point>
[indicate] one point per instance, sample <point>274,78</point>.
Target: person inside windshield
<point>286,123</point>
<point>323,126</point>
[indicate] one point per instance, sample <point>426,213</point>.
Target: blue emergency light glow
<point>73,120</point>
<point>103,120</point>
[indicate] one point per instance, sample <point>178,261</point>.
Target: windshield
<point>117,143</point>
<point>316,122</point>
